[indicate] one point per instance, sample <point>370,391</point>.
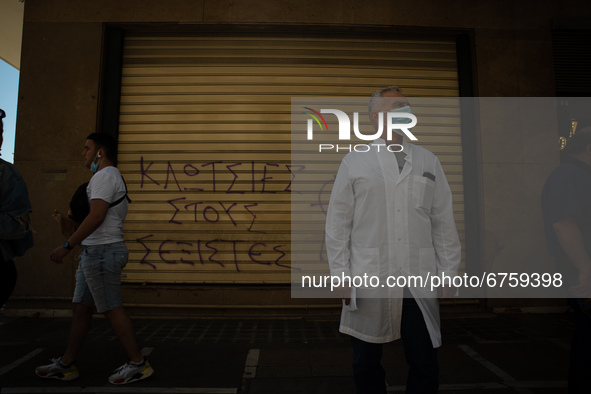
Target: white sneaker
<point>130,372</point>
<point>57,370</point>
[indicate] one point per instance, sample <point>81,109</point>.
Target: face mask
<point>95,165</point>
<point>406,109</point>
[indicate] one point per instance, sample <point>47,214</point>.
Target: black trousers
<point>7,279</point>
<point>423,375</point>
<point>580,353</point>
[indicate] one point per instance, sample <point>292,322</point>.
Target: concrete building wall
<point>60,93</point>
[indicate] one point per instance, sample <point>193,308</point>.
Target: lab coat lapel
<point>407,148</point>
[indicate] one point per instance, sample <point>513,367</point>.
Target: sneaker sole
<point>54,376</point>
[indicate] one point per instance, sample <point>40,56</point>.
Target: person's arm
<point>339,221</point>
<point>571,240</point>
<point>443,229</point>
<point>15,209</point>
<point>98,212</point>
<point>14,227</point>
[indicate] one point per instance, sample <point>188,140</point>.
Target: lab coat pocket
<point>423,192</point>
<point>365,261</point>
<point>352,307</point>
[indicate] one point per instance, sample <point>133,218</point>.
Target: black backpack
<point>79,202</point>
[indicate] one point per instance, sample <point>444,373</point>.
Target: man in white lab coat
<point>390,215</point>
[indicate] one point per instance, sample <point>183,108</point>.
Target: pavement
<point>482,352</point>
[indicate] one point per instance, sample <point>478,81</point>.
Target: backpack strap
<point>126,196</point>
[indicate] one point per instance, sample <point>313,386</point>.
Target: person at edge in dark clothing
<point>566,208</point>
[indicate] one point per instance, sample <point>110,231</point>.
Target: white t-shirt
<point>108,185</point>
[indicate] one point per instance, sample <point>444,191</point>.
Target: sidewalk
<point>505,353</point>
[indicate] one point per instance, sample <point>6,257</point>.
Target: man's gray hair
<point>378,94</point>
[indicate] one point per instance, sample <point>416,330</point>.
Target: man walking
<point>98,278</point>
<point>390,214</point>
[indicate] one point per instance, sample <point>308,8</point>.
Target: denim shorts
<point>98,278</point>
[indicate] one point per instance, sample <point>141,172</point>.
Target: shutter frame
<point>181,91</point>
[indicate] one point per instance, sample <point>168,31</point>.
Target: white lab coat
<point>384,223</point>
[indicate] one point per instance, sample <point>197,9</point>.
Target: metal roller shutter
<point>204,141</point>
